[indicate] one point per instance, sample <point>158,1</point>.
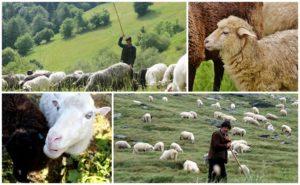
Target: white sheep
<point>255,110</point>
<point>216,170</point>
<point>186,115</point>
<point>176,147</point>
<point>261,118</point>
<point>137,102</point>
<point>187,136</point>
<point>56,77</point>
<point>286,130</point>
<point>254,64</point>
<point>150,98</point>
<point>122,145</point>
<point>249,114</point>
<point>295,103</point>
<point>190,166</point>
<point>241,148</point>
<point>244,169</point>
<point>194,114</point>
<point>282,100</point>
<point>270,127</point>
<point>216,105</point>
<point>159,146</point>
<point>251,120</point>
<point>142,147</point>
<point>147,118</point>
<point>78,72</point>
<point>70,117</point>
<point>165,99</point>
<point>168,75</point>
<point>155,74</point>
<point>205,159</point>
<point>40,83</point>
<point>238,131</point>
<point>283,112</point>
<point>230,154</point>
<point>169,155</point>
<point>222,116</point>
<point>199,103</point>
<point>281,106</point>
<point>232,106</point>
<point>234,142</point>
<point>271,116</point>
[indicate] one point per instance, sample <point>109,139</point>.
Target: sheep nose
<point>54,139</point>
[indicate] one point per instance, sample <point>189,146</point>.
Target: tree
<point>81,24</point>
<point>38,24</point>
<point>9,55</point>
<point>24,44</point>
<point>160,42</point>
<point>101,19</point>
<point>46,34</point>
<point>67,27</point>
<point>141,8</point>
<point>14,28</point>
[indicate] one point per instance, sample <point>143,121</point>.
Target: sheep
<point>186,115</point>
<point>234,142</point>
<point>122,145</point>
<point>295,103</point>
<point>33,76</point>
<point>222,116</point>
<point>24,129</point>
<point>199,103</point>
<point>270,127</point>
<point>176,147</point>
<point>249,114</point>
<point>279,16</point>
<point>56,77</point>
<point>254,64</point>
<point>281,106</point>
<point>271,116</point>
<point>282,100</point>
<point>164,99</point>
<point>203,18</point>
<point>68,81</point>
<point>4,84</point>
<point>42,72</point>
<point>194,114</point>
<point>159,146</point>
<point>40,83</point>
<point>187,136</point>
<point>260,118</point>
<point>142,147</point>
<point>238,131</point>
<point>244,169</point>
<point>151,99</point>
<point>255,110</point>
<point>230,154</point>
<point>168,75</point>
<point>70,117</point>
<point>283,112</point>
<point>286,130</point>
<point>205,159</point>
<point>147,118</point>
<point>82,81</point>
<point>115,77</point>
<point>251,120</point>
<point>12,81</point>
<point>241,148</point>
<point>232,106</point>
<point>216,105</point>
<point>190,166</point>
<point>179,75</point>
<point>155,73</point>
<point>169,155</point>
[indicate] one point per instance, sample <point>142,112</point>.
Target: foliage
<point>81,23</point>
<point>24,44</point>
<point>169,28</point>
<point>67,27</point>
<point>100,19</point>
<point>141,8</point>
<point>39,23</point>
<point>147,58</point>
<point>9,55</point>
<point>160,42</point>
<point>44,35</point>
<point>19,66</point>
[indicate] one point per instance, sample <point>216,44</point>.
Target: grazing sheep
<point>222,116</point>
<point>260,118</point>
<point>40,83</point>
<point>169,155</point>
<point>255,110</point>
<point>155,73</point>
<point>232,106</point>
<point>176,147</point>
<point>187,136</point>
<point>271,116</point>
<point>238,131</point>
<point>194,114</point>
<point>286,130</point>
<point>234,142</point>
<point>168,75</point>
<point>295,103</point>
<point>122,145</point>
<point>115,77</point>
<point>147,118</point>
<point>249,114</point>
<point>142,147</point>
<point>199,103</point>
<point>241,148</point>
<point>151,99</point>
<point>270,127</point>
<point>283,112</point>
<point>186,115</point>
<point>254,64</point>
<point>179,75</point>
<point>244,169</point>
<point>159,146</point>
<point>216,105</point>
<point>190,166</point>
<point>164,99</point>
<point>70,117</point>
<point>282,100</point>
<point>281,106</point>
<point>56,77</point>
<point>251,120</point>
<point>230,154</point>
<point>24,129</point>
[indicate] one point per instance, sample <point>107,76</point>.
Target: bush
<point>101,19</point>
<point>19,66</point>
<point>147,58</point>
<point>141,8</point>
<point>67,27</point>
<point>9,55</point>
<point>46,34</point>
<point>160,42</point>
<point>81,24</point>
<point>169,28</point>
<point>24,44</point>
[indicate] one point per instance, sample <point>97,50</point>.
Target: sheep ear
<point>244,32</point>
<point>103,110</point>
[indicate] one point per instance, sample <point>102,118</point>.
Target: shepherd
<point>128,52</point>
<point>217,155</point>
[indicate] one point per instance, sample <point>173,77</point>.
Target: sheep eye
<point>225,32</point>
<point>89,115</point>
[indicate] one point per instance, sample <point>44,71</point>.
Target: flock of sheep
<point>237,146</point>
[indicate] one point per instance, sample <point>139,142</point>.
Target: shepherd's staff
<point>238,162</point>
<point>118,19</point>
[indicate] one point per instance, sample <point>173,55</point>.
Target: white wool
<point>286,129</point>
<point>199,103</point>
<point>238,131</point>
<point>244,169</point>
<point>241,148</point>
<point>232,106</point>
<point>168,75</point>
<point>159,146</point>
<point>155,74</point>
<point>176,147</point>
<point>190,166</point>
<point>282,100</point>
<point>169,155</point>
<point>147,118</point>
<point>122,144</point>
<point>216,170</point>
<point>194,114</point>
<point>151,99</point>
<point>142,147</point>
<point>283,112</point>
<point>187,136</point>
<point>187,115</point>
<point>280,106</point>
<point>40,83</point>
<point>56,77</point>
<point>255,110</point>
<point>164,99</point>
<point>216,105</point>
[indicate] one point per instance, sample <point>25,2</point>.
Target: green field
<point>269,160</point>
<point>62,54</point>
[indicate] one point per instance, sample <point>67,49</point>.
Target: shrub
<point>147,58</point>
<point>67,27</point>
<point>101,19</point>
<point>46,34</point>
<point>169,28</point>
<point>9,55</point>
<point>141,8</point>
<point>24,44</point>
<point>81,23</point>
<point>19,65</point>
<point>160,42</point>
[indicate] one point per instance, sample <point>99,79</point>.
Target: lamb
<point>179,75</point>
<point>244,169</point>
<point>194,114</point>
<point>270,127</point>
<point>147,118</point>
<point>241,148</point>
<point>40,83</point>
<point>251,120</point>
<point>142,147</point>
<point>70,117</point>
<point>286,130</point>
<point>281,106</point>
<point>164,99</point>
<point>255,110</point>
<point>186,115</point>
<point>122,145</point>
<point>254,64</point>
<point>203,18</point>
<point>282,100</point>
<point>176,147</point>
<point>238,131</point>
<point>168,76</point>
<point>56,77</point>
<point>24,129</point>
<point>169,155</point>
<point>271,116</point>
<point>283,112</point>
<point>216,105</point>
<point>199,103</point>
<point>159,146</point>
<point>232,106</point>
<point>187,136</point>
<point>190,166</point>
<point>260,118</point>
<point>115,77</point>
<point>155,73</point>
<point>151,99</point>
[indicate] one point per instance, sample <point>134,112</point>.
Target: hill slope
<point>269,160</point>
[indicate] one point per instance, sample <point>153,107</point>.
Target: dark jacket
<point>218,148</point>
<point>128,52</point>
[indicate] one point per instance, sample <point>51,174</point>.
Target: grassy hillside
<point>62,54</point>
<point>269,160</point>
